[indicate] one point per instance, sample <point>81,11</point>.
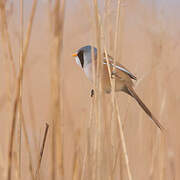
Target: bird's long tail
<point>131,92</point>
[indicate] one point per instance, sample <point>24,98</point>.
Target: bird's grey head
<point>83,56</point>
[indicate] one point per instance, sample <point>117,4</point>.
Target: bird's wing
<point>119,67</point>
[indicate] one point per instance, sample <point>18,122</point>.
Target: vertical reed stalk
<point>123,143</point>
<point>98,98</point>
<point>18,86</point>
<point>113,121</point>
<point>21,83</point>
<point>5,34</point>
<point>27,146</point>
<point>56,86</point>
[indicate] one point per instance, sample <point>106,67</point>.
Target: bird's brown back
<point>121,79</point>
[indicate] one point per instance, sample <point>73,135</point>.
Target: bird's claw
<point>113,74</point>
<point>92,92</point>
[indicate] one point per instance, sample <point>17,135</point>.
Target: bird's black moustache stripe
<point>81,58</point>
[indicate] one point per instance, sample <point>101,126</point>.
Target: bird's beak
<point>74,55</point>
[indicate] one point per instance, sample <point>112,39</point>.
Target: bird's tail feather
<point>131,92</point>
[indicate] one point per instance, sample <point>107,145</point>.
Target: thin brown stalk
<point>117,159</point>
<point>118,26</point>
<point>76,161</point>
<point>56,108</point>
<point>29,30</point>
<point>105,30</point>
<point>18,86</point>
<point>20,95</point>
<point>16,165</point>
<point>5,35</point>
<point>113,121</point>
<point>27,145</point>
<point>76,174</point>
<point>118,149</point>
<point>7,52</point>
<point>123,143</point>
<point>88,161</point>
<point>84,165</point>
<point>42,151</point>
<point>98,98</point>
<point>112,81</point>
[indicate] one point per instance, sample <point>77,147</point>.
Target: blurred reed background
<point>50,126</point>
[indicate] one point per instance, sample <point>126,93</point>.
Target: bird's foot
<point>113,74</point>
<point>92,92</point>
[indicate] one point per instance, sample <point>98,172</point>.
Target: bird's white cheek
<point>78,61</point>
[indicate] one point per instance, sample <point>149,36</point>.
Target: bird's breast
<point>88,71</point>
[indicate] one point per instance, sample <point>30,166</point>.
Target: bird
<point>123,77</point>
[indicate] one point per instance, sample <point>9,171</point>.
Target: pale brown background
<point>150,49</point>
